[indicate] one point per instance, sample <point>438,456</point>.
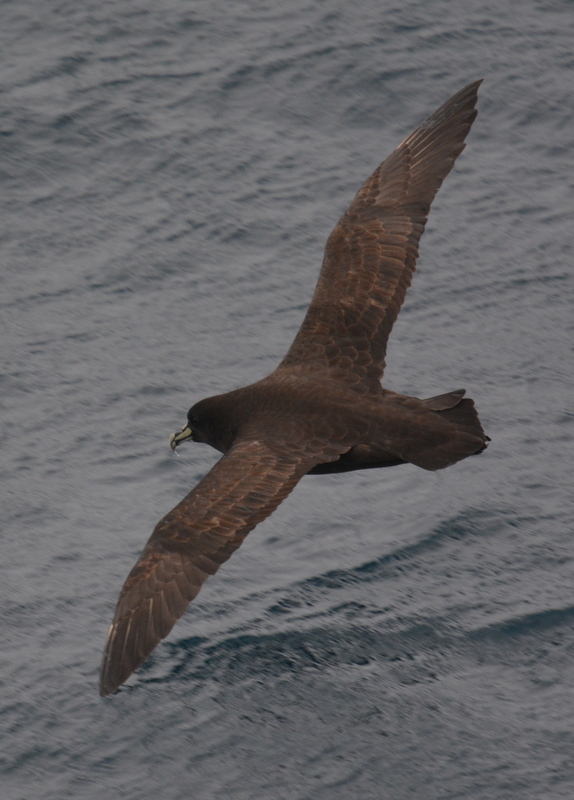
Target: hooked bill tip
<point>178,438</point>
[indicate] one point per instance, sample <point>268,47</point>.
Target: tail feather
<point>463,435</point>
<point>443,401</point>
<point>465,416</point>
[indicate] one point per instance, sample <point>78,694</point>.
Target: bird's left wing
<point>194,539</point>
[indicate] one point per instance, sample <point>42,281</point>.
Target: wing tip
<point>124,651</point>
<point>107,689</point>
<point>462,102</point>
<point>109,682</point>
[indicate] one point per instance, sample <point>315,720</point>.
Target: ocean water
<point>170,172</point>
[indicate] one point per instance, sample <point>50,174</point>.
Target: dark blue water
<point>170,173</point>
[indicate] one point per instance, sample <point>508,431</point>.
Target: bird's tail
<point>462,436</point>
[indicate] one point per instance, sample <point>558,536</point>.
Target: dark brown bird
<point>322,410</point>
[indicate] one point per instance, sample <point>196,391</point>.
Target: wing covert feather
<point>371,254</point>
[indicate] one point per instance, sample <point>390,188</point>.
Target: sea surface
<point>170,172</point>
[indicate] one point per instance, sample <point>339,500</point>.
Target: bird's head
<point>201,426</point>
<point>193,429</point>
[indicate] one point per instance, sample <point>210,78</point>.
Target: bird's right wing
<point>371,254</point>
<point>194,539</point>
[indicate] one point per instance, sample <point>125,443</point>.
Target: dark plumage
<point>322,410</point>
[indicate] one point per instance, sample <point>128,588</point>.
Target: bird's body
<point>322,410</point>
<point>376,431</point>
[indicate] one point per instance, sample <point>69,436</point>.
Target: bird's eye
<point>193,422</point>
